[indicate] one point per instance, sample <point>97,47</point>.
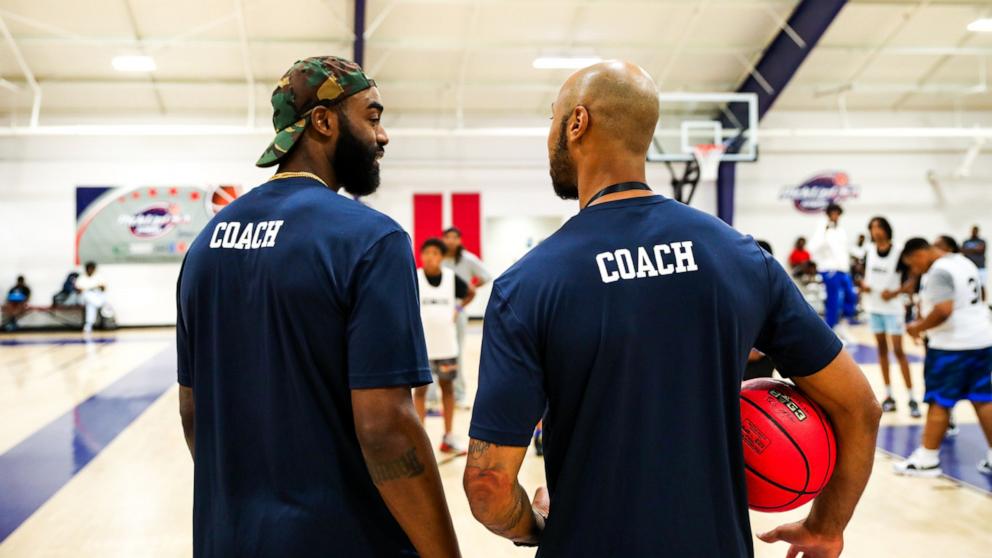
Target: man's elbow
<point>375,430</point>
<point>872,414</point>
<point>187,409</point>
<point>486,490</point>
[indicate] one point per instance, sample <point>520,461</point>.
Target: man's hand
<point>844,394</point>
<point>888,295</point>
<point>915,329</point>
<point>542,501</point>
<point>803,539</point>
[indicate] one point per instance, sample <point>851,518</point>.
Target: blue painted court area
<point>35,469</point>
<point>958,455</point>
<point>868,354</point>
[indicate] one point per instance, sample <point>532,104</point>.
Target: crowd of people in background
<point>86,290</point>
<point>935,292</point>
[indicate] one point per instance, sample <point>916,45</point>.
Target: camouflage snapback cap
<point>311,82</point>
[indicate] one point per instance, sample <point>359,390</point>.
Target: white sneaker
<point>912,467</point>
<point>985,467</point>
<point>449,444</point>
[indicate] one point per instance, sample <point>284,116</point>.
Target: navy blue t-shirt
<point>290,298</point>
<point>629,331</point>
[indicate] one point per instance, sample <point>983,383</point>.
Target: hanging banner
<point>819,191</point>
<point>147,224</point>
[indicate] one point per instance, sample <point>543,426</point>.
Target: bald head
<point>622,101</point>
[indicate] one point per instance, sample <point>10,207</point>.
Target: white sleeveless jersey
<point>970,324</point>
<point>437,311</point>
<point>881,275</point>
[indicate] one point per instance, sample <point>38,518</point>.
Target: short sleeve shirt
<point>290,298</point>
<point>628,331</point>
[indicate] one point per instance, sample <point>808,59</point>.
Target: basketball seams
<point>787,435</point>
<point>777,485</point>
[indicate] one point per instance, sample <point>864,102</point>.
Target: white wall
<point>38,176</point>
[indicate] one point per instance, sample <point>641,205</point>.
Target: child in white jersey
<point>880,290</point>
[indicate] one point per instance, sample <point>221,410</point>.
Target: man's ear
<point>324,121</point>
<point>579,123</point>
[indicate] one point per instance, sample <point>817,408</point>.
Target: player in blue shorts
<point>958,364</point>
<point>628,330</point>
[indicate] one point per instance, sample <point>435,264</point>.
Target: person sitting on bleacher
<point>17,302</point>
<point>92,289</point>
<point>68,295</point>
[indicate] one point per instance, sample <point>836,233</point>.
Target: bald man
<point>629,331</point>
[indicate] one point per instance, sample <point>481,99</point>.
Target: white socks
<point>888,392</point>
<point>927,457</point>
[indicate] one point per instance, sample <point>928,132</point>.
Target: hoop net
<point>708,157</point>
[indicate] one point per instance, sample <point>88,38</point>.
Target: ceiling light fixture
<point>134,63</point>
<point>983,25</point>
<point>565,62</point>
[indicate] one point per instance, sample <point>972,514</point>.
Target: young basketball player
<point>440,292</point>
<point>469,268</point>
<point>299,338</point>
<point>629,327</point>
<point>881,287</point>
<point>832,255</point>
<point>958,364</point>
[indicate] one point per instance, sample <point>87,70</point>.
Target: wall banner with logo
<point>819,191</point>
<point>145,224</point>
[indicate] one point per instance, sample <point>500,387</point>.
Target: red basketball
<point>223,195</point>
<point>789,445</point>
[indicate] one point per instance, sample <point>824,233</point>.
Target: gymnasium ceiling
<point>454,57</point>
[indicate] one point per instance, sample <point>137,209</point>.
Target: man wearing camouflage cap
<point>299,336</point>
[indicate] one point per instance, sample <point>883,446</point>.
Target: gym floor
<point>93,462</point>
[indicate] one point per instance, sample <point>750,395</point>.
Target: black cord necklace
<point>616,188</point>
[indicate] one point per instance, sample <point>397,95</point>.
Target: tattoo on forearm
<point>477,448</point>
<point>407,465</point>
<point>516,513</point>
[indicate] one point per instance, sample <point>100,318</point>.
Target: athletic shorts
<point>891,324</point>
<point>446,369</point>
<point>951,376</point>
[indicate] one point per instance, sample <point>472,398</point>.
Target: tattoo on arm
<point>476,448</point>
<point>516,513</point>
<point>407,465</point>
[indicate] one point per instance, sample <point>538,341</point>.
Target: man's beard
<point>563,175</point>
<point>355,163</point>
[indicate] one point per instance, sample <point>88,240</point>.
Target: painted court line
<point>958,456</point>
<point>59,341</point>
<point>35,469</point>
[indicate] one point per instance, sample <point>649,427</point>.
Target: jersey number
<point>973,284</point>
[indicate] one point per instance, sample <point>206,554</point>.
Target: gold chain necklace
<point>298,174</point>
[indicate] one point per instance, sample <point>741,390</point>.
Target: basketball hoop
<point>708,157</point>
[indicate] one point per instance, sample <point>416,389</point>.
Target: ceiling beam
<point>936,66</point>
<point>141,48</point>
<point>26,70</point>
<point>358,47</point>
<point>457,44</point>
<point>770,76</point>
<point>246,62</point>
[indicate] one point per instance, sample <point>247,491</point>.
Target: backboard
<point>691,119</point>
